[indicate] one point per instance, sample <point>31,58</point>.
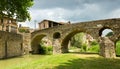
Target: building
<point>48,23</point>
<point>8,24</point>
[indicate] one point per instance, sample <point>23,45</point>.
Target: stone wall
<point>10,45</point>
<point>107,48</point>
<point>26,43</point>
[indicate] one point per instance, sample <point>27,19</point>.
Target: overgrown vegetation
<point>94,47</point>
<point>45,50</point>
<point>22,30</point>
<point>118,48</point>
<point>79,41</point>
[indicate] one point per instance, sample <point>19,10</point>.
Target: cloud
<point>115,13</point>
<point>73,10</point>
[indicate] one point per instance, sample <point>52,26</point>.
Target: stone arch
<point>67,38</point>
<point>101,31</point>
<point>35,43</point>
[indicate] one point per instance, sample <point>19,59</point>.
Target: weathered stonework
<point>26,42</point>
<point>65,32</point>
<point>107,47</point>
<point>10,45</point>
<point>56,46</point>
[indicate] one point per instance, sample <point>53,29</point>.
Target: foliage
<point>109,34</point>
<point>118,48</point>
<point>24,30</point>
<point>84,48</point>
<point>16,9</point>
<point>94,43</point>
<point>77,40</point>
<point>94,49</point>
<point>46,50</point>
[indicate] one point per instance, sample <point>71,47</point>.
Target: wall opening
<point>106,32</point>
<point>35,44</point>
<point>56,35</point>
<point>80,42</point>
<point>41,45</point>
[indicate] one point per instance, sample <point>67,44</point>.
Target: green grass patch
<point>61,61</point>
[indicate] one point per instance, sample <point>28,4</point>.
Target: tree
<point>77,40</point>
<point>109,34</point>
<point>16,9</point>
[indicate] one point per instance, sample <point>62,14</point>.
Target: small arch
<point>56,35</point>
<point>35,43</point>
<point>106,32</point>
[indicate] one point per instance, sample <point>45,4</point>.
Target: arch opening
<point>78,41</point>
<point>40,45</point>
<point>106,32</point>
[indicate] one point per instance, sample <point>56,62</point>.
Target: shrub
<point>84,47</point>
<point>94,49</point>
<point>46,50</point>
<point>118,48</point>
<point>94,43</point>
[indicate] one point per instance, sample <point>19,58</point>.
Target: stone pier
<point>107,48</point>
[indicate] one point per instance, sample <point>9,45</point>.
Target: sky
<point>72,10</point>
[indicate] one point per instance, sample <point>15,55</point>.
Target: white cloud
<point>115,13</point>
<point>73,10</point>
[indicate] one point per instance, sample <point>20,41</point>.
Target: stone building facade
<point>48,24</point>
<point>8,24</point>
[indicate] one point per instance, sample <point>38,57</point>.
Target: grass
<point>61,61</point>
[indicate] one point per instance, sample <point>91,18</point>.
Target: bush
<point>94,43</point>
<point>46,50</point>
<point>118,48</point>
<point>94,49</point>
<point>84,48</point>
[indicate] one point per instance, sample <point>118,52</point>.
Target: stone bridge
<point>60,35</point>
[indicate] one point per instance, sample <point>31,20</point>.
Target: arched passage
<point>67,39</point>
<point>35,43</point>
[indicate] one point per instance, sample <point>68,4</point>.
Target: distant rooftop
<point>55,22</point>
